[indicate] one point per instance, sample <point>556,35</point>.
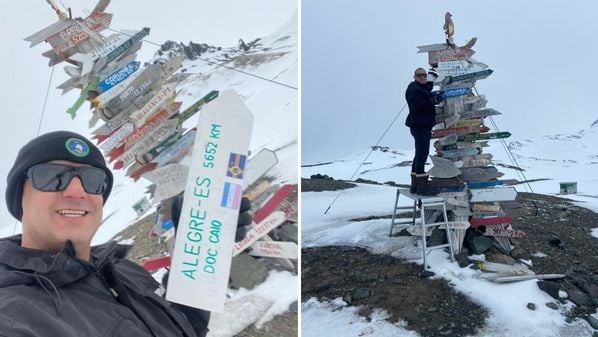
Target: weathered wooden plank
<point>443,168</point>
<point>493,194</point>
<point>458,131</point>
<point>474,76</point>
<point>498,231</point>
<point>483,136</point>
<point>481,113</point>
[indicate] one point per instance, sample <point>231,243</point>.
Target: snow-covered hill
<point>559,158</point>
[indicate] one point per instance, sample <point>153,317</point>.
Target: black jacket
<point>422,112</point>
<point>59,295</point>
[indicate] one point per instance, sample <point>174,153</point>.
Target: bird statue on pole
<point>449,29</point>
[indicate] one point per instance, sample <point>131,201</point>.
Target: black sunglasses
<point>56,177</point>
<point>421,75</point>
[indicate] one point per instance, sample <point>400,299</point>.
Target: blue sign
<point>119,76</point>
<point>456,92</point>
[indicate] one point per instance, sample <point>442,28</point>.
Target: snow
<point>506,303</point>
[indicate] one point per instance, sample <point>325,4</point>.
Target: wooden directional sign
<point>460,145</point>
<point>160,133</point>
<point>443,168</point>
<point>140,116</point>
<point>493,194</point>
<point>117,137</point>
<point>86,61</point>
<point>169,180</point>
<point>476,222</point>
<point>191,110</point>
<point>105,97</point>
<point>484,184</point>
<point>200,268</point>
<point>471,103</point>
<point>118,76</point>
<point>154,152</point>
<point>460,130</point>
<point>483,136</point>
<point>457,54</point>
<point>182,145</point>
<point>79,32</point>
<point>82,97</point>
<point>455,92</point>
<point>471,162</point>
<point>455,68</point>
<point>258,165</point>
<point>140,85</point>
<point>278,249</point>
<point>499,231</point>
<point>490,207</point>
<point>259,230</point>
<point>479,173</point>
<point>432,47</point>
<point>460,153</point>
<point>468,77</point>
<point>450,139</point>
<point>480,113</point>
<point>468,122</point>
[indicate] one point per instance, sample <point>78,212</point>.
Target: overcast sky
<point>358,57</point>
<point>25,71</point>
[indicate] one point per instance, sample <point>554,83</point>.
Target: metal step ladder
<point>425,203</point>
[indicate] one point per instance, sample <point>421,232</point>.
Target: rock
<point>520,253</point>
<point>321,176</point>
<point>462,259</point>
<point>247,272</point>
<point>361,293</point>
<point>288,232</point>
<point>551,288</point>
<point>556,241</point>
<point>500,258</point>
<point>360,277</point>
<point>552,305</point>
<point>585,280</point>
<point>321,288</point>
<point>595,334</point>
<point>579,298</point>
<point>592,320</point>
<point>480,244</point>
<point>293,307</point>
<point>531,306</point>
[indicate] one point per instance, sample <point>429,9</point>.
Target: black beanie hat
<point>57,145</point>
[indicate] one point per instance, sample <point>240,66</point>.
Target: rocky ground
<point>558,241</point>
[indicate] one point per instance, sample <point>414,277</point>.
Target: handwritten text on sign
<point>200,267</point>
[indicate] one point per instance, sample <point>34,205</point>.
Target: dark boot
<point>423,186</point>
<point>413,187</point>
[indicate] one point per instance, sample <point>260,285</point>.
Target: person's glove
<point>244,220</point>
<point>437,97</point>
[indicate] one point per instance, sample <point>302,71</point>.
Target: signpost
<point>202,255</point>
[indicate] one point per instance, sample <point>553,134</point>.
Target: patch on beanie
<point>77,147</point>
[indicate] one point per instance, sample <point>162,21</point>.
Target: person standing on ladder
<point>420,120</point>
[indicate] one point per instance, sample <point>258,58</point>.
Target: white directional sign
<point>202,255</point>
<point>284,250</point>
<point>493,194</point>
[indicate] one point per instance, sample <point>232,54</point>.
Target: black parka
<point>59,295</point>
<point>422,112</point>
